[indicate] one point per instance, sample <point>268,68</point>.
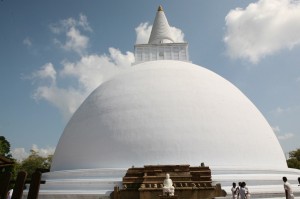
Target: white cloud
<point>75,80</point>
<point>44,152</point>
<point>262,28</point>
<point>177,34</point>
<point>281,136</point>
<point>121,60</point>
<point>92,70</point>
<point>27,42</point>
<point>276,129</point>
<point>285,136</point>
<point>47,71</point>
<point>143,32</point>
<point>83,22</point>
<point>279,110</point>
<point>89,72</point>
<point>66,100</point>
<point>65,24</point>
<point>74,39</point>
<point>20,153</point>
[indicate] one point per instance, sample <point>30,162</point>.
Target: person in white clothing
<point>288,189</point>
<point>242,191</point>
<point>234,191</point>
<point>247,191</point>
<point>239,187</point>
<point>9,193</point>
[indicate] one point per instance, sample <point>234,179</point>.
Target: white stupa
<point>166,110</point>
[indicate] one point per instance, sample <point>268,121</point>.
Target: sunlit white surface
<point>166,112</point>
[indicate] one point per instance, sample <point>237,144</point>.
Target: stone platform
<point>147,182</point>
<point>100,183</point>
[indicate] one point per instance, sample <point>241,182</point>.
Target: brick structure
<point>147,182</point>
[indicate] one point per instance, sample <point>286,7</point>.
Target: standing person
<point>242,191</point>
<point>9,193</point>
<point>240,186</point>
<point>288,189</point>
<point>234,191</point>
<point>247,191</point>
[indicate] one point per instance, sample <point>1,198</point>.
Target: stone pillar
<point>34,185</point>
<point>4,184</point>
<point>19,185</point>
<point>116,192</point>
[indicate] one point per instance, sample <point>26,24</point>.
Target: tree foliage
<point>4,147</point>
<point>294,159</point>
<point>5,152</point>
<point>33,162</point>
<point>30,164</point>
<point>295,154</point>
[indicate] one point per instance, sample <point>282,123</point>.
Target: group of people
<point>240,192</point>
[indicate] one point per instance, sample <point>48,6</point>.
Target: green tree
<point>293,163</point>
<point>4,147</point>
<point>295,154</point>
<point>5,152</point>
<point>33,162</point>
<point>294,159</point>
<point>16,168</point>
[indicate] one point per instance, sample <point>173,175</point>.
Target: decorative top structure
<point>160,8</point>
<point>161,44</point>
<point>161,32</point>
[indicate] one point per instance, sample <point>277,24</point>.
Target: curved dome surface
<point>167,112</point>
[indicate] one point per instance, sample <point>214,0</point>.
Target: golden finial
<point>160,8</point>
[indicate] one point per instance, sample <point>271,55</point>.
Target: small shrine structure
<point>147,183</point>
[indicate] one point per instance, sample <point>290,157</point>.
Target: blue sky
<point>54,53</point>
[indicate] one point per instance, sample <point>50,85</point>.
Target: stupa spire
<point>160,32</point>
<point>161,45</point>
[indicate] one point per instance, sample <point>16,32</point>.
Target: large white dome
<point>167,112</point>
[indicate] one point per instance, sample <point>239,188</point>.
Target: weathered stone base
<point>99,183</point>
<point>189,183</point>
